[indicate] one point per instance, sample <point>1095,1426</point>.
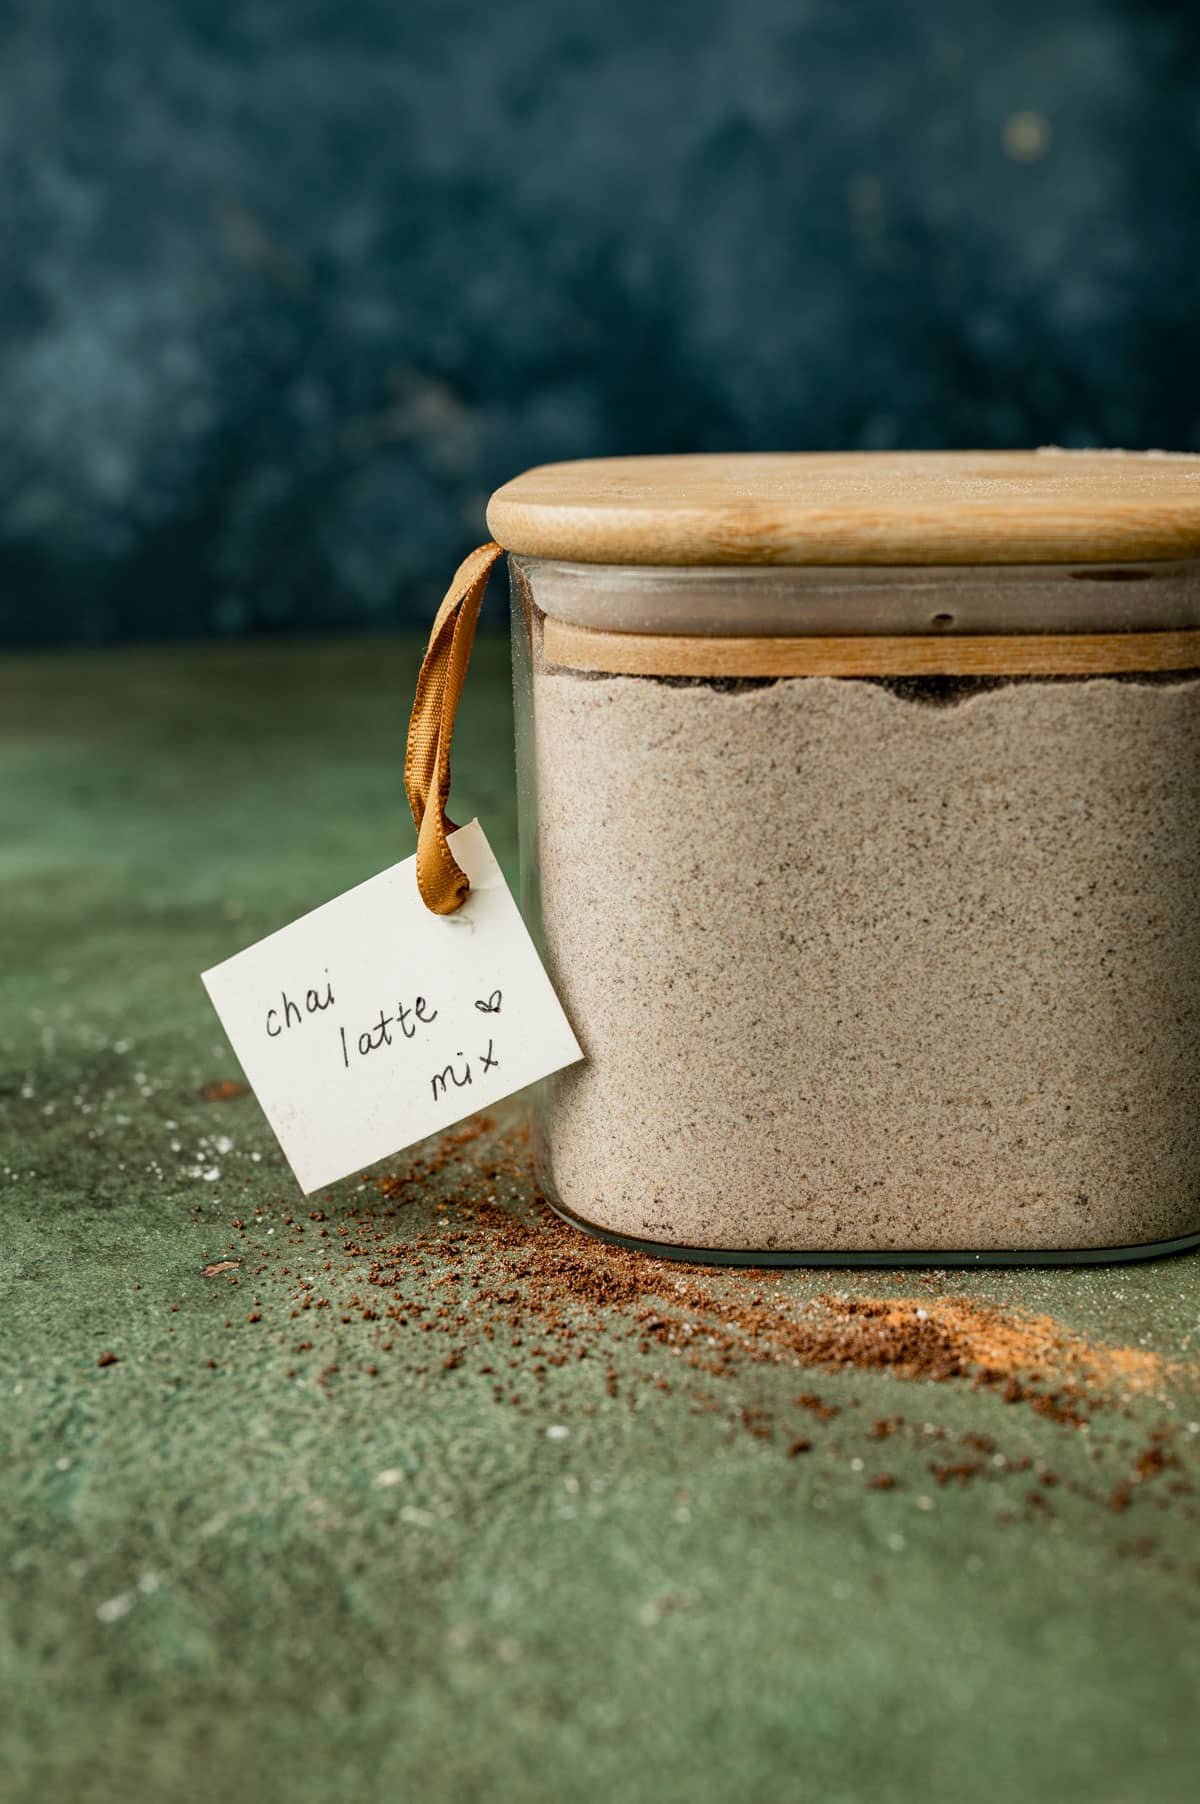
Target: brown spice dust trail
<point>531,1269</point>
<point>225,1089</point>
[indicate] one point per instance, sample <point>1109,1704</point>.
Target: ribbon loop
<point>443,884</point>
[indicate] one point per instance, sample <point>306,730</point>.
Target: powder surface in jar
<point>855,971</point>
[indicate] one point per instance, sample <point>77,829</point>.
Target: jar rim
<point>873,600</point>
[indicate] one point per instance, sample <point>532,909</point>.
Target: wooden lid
<point>856,507</point>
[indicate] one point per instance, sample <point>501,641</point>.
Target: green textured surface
<point>208,1592</point>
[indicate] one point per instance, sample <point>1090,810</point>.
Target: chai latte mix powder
<point>932,949</point>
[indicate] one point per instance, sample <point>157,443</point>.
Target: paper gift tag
<point>371,1022</point>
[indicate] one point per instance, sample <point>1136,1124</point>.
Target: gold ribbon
<point>443,884</point>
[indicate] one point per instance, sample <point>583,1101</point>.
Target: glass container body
<point>866,970</point>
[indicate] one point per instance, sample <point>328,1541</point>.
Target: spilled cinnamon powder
<point>522,1267</point>
<point>498,1266</point>
<point>452,1271</point>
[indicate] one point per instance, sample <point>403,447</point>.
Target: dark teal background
<point>288,286</point>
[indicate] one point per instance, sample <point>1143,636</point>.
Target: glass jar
<point>860,835</point>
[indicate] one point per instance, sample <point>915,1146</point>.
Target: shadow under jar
<point>860,834</point>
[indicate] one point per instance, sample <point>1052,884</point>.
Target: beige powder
<point>856,971</point>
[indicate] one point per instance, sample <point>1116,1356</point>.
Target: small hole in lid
<point>942,620</point>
